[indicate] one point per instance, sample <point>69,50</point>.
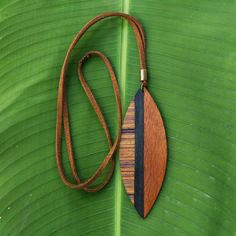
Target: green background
<point>191,55</point>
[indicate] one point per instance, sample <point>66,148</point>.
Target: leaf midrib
<point>123,67</point>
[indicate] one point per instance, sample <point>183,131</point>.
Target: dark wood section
<point>139,153</point>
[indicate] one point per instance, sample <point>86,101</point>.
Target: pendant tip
<point>141,211</point>
<point>142,214</point>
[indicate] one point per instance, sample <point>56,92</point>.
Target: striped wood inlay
<point>127,151</point>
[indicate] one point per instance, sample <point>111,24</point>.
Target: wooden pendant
<point>143,152</point>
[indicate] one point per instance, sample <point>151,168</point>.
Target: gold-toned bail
<point>143,78</point>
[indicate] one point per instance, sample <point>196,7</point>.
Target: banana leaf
<point>191,56</point>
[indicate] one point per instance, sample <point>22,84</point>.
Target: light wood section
<point>155,152</point>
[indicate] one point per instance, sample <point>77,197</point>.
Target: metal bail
<point>143,80</point>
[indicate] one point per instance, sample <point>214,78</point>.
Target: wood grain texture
<point>127,151</point>
<point>143,152</point>
<point>155,152</point>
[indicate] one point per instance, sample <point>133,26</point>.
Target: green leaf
<point>191,59</point>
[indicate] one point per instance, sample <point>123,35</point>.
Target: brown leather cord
<point>62,106</point>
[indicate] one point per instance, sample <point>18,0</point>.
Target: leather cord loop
<point>62,106</point>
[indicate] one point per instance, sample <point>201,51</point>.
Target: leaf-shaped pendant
<point>143,152</point>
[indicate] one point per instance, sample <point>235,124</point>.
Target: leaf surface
<point>191,55</point>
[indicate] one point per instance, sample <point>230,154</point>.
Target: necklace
<point>142,139</point>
